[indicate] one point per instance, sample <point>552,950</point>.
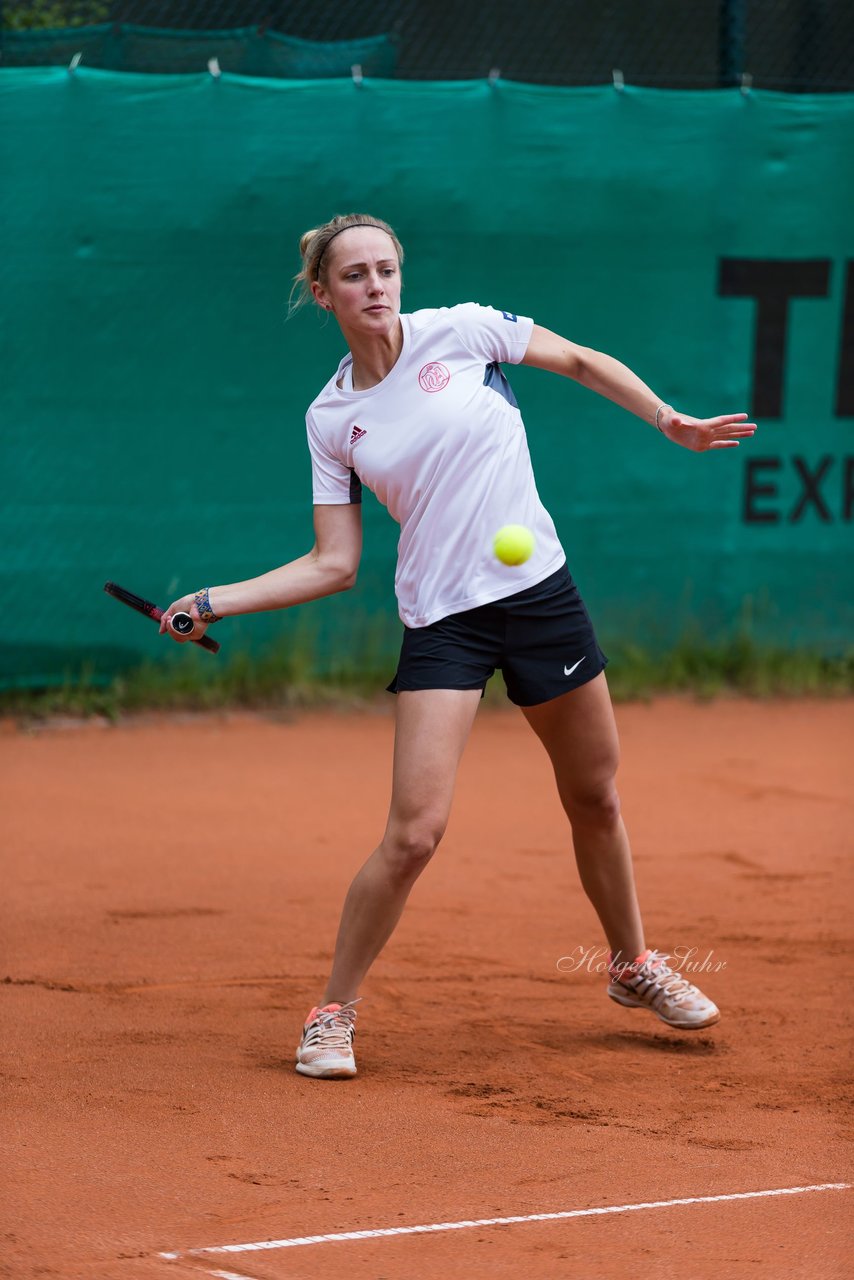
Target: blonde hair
<point>313,245</point>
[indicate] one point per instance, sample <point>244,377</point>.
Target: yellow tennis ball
<point>514,544</point>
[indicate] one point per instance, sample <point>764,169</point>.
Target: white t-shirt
<point>441,443</point>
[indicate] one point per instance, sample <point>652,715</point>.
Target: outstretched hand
<point>187,604</point>
<point>700,434</point>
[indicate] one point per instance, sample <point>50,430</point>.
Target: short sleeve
<point>333,482</point>
<point>492,334</point>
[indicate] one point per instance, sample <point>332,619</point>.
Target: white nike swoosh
<point>567,671</point>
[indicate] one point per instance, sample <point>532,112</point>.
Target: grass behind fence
<point>286,678</point>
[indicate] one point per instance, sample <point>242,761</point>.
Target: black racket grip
<point>151,610</point>
<point>211,645</point>
<point>206,643</point>
<point>183,624</point>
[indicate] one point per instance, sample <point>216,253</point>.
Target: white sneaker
<point>326,1048</point>
<point>649,983</point>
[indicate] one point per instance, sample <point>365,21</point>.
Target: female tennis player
<point>421,412</point>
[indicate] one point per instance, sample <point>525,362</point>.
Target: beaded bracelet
<point>203,606</point>
<point>657,412</point>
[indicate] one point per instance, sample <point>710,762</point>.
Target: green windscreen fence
<point>153,391</point>
<point>250,51</point>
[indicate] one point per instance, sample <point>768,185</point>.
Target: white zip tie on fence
<point>214,68</point>
<point>356,73</point>
<point>75,61</point>
<point>619,80</point>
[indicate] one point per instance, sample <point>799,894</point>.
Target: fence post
<point>731,42</point>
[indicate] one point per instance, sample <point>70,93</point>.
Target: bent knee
<point>409,846</point>
<point>594,805</point>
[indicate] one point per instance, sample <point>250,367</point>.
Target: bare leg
<point>431,731</point>
<point>580,735</point>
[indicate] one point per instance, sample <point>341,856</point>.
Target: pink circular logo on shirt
<point>433,377</point>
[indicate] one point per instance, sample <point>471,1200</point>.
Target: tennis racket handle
<point>183,624</point>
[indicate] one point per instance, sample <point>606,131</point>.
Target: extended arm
<point>330,566</point>
<point>608,377</point>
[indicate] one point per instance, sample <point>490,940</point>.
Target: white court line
<point>228,1275</point>
<point>385,1232</point>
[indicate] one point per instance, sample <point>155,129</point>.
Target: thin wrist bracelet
<point>657,412</point>
<point>203,606</point>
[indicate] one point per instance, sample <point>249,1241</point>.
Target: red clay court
<point>173,887</point>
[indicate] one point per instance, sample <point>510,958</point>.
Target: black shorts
<point>541,638</point>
